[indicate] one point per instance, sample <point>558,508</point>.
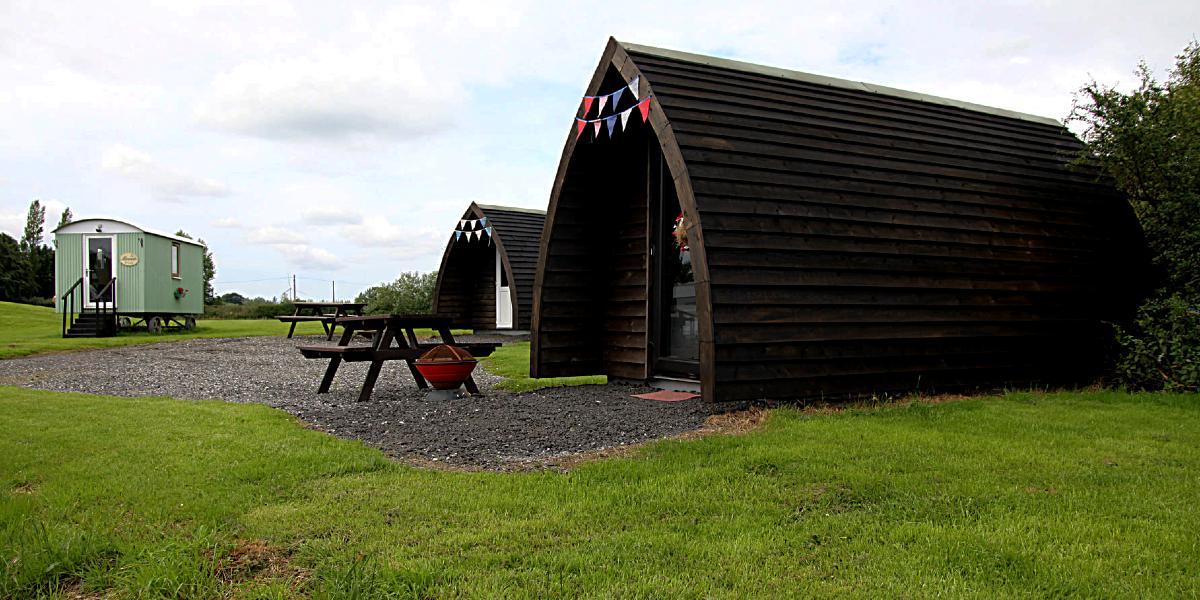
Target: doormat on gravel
<point>667,396</point>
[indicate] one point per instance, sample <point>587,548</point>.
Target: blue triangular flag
<point>611,123</point>
<point>617,97</point>
<point>488,230</point>
<point>483,221</point>
<point>457,235</point>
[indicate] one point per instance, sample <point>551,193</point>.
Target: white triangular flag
<point>633,87</point>
<point>625,117</point>
<point>603,101</point>
<point>462,223</point>
<point>477,233</point>
<point>596,127</point>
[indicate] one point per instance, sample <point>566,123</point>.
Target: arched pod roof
<point>858,239</point>
<point>516,233</point>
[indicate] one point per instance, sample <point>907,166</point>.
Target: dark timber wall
<point>466,284</point>
<point>851,240</point>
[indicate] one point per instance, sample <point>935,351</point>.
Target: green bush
<point>411,293</point>
<point>1161,349</point>
<point>1148,142</point>
<point>252,309</point>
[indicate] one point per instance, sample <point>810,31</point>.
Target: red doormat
<point>667,396</point>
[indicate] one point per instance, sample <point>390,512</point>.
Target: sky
<point>342,141</point>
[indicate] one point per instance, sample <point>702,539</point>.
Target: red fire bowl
<point>446,375</point>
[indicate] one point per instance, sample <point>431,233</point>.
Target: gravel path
<point>501,430</point>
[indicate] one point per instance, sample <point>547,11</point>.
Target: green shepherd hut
<point>111,274</point>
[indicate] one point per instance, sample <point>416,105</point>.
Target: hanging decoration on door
<point>679,232</point>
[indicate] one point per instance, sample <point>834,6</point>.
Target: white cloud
<point>12,223</point>
<point>324,216</point>
<point>272,235</point>
<point>304,256</point>
<point>165,183</point>
<point>380,232</point>
<point>375,91</point>
<point>227,223</point>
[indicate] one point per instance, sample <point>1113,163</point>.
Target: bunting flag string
<point>602,100</point>
<point>610,122</point>
<point>471,232</point>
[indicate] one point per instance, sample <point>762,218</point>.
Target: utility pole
<point>333,291</point>
<point>294,287</point>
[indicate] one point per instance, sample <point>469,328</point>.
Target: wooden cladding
<point>853,242</point>
<point>466,285</point>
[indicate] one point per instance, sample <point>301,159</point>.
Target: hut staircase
<point>99,320</point>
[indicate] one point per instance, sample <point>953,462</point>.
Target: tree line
<point>27,265</point>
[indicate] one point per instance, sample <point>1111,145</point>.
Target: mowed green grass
<point>1068,494</point>
<point>27,330</point>
<point>511,361</point>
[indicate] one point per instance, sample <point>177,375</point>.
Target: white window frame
<point>176,261</point>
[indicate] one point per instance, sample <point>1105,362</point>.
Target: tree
<point>66,219</point>
<point>409,293</point>
<point>35,224</point>
<point>15,283</point>
<point>1148,142</point>
<point>38,276</point>
<point>210,267</point>
<point>235,298</point>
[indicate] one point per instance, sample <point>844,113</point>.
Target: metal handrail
<point>104,308</point>
<point>69,322</point>
<point>105,305</point>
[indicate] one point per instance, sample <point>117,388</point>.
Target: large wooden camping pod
<point>487,271</point>
<point>843,239</point>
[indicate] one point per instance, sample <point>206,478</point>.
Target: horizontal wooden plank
<point>789,333</point>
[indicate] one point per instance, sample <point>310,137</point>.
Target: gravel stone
<point>500,430</point>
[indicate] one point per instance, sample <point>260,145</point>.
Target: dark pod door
<point>675,328</point>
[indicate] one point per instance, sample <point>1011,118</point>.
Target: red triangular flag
<point>644,108</point>
<point>579,125</point>
<point>587,104</point>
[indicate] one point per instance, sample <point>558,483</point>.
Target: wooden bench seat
<point>365,353</point>
<point>297,318</point>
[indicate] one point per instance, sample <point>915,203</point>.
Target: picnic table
<point>317,311</point>
<point>393,337</point>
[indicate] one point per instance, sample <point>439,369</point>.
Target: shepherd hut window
<point>175,260</point>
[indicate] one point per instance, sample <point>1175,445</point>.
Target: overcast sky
<point>342,144</point>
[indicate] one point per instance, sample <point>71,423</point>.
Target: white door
<point>503,296</point>
<point>99,268</point>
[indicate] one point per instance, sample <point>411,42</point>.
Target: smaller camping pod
<point>487,271</point>
<point>760,233</point>
<point>112,265</point>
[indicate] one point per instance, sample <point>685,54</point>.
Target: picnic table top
<point>328,304</point>
<point>406,320</point>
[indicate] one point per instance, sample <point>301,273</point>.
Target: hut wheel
<point>189,323</point>
<point>154,324</point>
<point>124,323</point>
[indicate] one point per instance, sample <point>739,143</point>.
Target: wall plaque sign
<point>129,259</point>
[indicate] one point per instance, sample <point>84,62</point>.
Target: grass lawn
<point>511,361</point>
<point>26,330</point>
<point>1070,494</point>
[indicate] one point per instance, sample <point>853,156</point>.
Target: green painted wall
<point>146,287</point>
<point>160,286</point>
